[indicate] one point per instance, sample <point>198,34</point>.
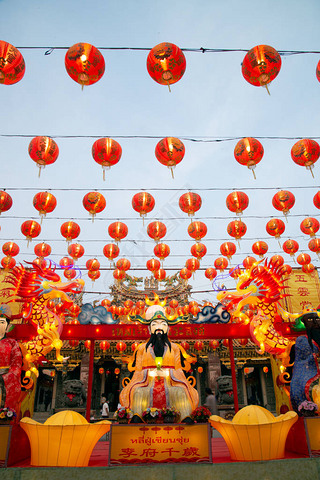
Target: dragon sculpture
<point>34,287</point>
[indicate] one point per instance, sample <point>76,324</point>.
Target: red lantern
<point>66,262</point>
<point>40,262</point>
<point>275,227</point>
<point>70,230</point>
<point>106,152</point>
<point>94,275</point>
<point>221,263</point>
<point>94,202</point>
<point>84,63</point>
<point>70,273</point>
<point>198,250</point>
<point>286,270</point>
<point>134,346</point>
<point>277,260</point>
<point>290,247</point>
<point>45,203</point>
<point>309,226</point>
<point>119,311</point>
<point>111,251</point>
<point>121,346</point>
<point>74,310</point>
<point>243,342</point>
<point>44,151</point>
<point>308,268</point>
<point>211,273</point>
<point>303,259</point>
<point>5,201</point>
<point>236,229</point>
<point>123,264</point>
<point>227,249</point>
<point>214,344</point>
<point>119,275</point>
<point>261,65</point>
<point>12,65</point>
<point>237,202</point>
<point>156,230</point>
<point>10,249</point>
<point>305,153</point>
<point>260,248</point>
<point>31,229</point>
<point>316,200</point>
<point>105,303</point>
<point>185,274</point>
<point>153,264</point>
<point>101,371</point>
<point>283,201</point>
<point>174,303</point>
<point>170,151</point>
<point>190,203</point>
<point>104,345</point>
<point>198,345</point>
<point>8,262</point>
<point>140,304</point>
<point>93,264</point>
<point>249,152</point>
<point>160,274</point>
<point>314,245</point>
<point>318,71</point>
<point>42,250</point>
<point>87,344</point>
<point>235,272</point>
<point>161,250</point>
<point>185,345</point>
<point>118,231</point>
<point>75,251</point>
<point>143,203</point>
<point>192,264</point>
<point>73,343</point>
<point>200,369</point>
<point>248,262</point>
<point>166,63</point>
<point>197,230</point>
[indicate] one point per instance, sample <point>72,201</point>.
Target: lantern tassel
<point>266,87</point>
<point>104,175</point>
<point>172,172</point>
<point>311,171</point>
<point>39,173</point>
<point>169,87</point>
<point>254,175</point>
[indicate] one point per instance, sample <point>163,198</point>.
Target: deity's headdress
<point>155,311</point>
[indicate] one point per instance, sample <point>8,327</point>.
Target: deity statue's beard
<point>158,340</point>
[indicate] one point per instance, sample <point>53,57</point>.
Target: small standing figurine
<point>10,363</point>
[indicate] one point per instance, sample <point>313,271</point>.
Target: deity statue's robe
<point>160,388</point>
<point>10,372</point>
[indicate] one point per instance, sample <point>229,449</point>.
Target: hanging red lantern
<point>260,248</point>
<point>118,231</point>
<point>153,264</point>
<point>134,346</point>
<point>283,201</point>
<point>210,273</point>
<point>185,273</point>
<point>305,153</point>
<point>318,71</point>
<point>40,262</point>
<point>5,201</point>
<point>10,249</point>
<point>174,304</point>
<point>261,65</point>
<point>235,272</point>
<point>248,262</point>
<point>94,202</point>
<point>243,342</point>
<point>94,275</point>
<point>31,229</point>
<point>277,260</point>
<point>93,264</point>
<point>200,370</point>
<point>237,229</point>
<point>214,344</point>
<point>84,63</point>
<point>111,251</point>
<point>275,227</point>
<point>45,203</point>
<point>105,303</point>
<point>87,344</point>
<point>156,230</point>
<point>106,152</point>
<point>198,250</point>
<point>119,311</point>
<point>75,251</point>
<point>249,151</point>
<point>192,264</point>
<point>170,151</point>
<point>237,202</point>
<point>309,226</point>
<point>104,345</point>
<point>66,262</point>
<point>197,230</point>
<point>314,245</point>
<point>185,345</point>
<point>73,343</point>
<point>286,269</point>
<point>198,345</point>
<point>290,247</point>
<point>221,263</point>
<point>161,250</point>
<point>316,200</point>
<point>12,66</point>
<point>140,305</point>
<point>44,151</point>
<point>101,371</point>
<point>70,230</point>
<point>160,274</point>
<point>121,346</point>
<point>8,262</point>
<point>119,275</point>
<point>227,249</point>
<point>70,273</point>
<point>190,203</point>
<point>143,203</point>
<point>75,309</point>
<point>42,250</point>
<point>308,268</point>
<point>166,63</point>
<point>303,259</point>
<point>123,264</point>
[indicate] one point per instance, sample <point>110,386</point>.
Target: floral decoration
<point>123,413</point>
<point>152,414</point>
<point>307,409</point>
<point>200,414</point>
<point>170,412</point>
<point>7,414</point>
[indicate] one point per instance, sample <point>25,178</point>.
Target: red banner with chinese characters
<point>304,289</point>
<point>174,443</point>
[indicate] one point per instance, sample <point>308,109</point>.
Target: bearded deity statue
<point>159,380</point>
